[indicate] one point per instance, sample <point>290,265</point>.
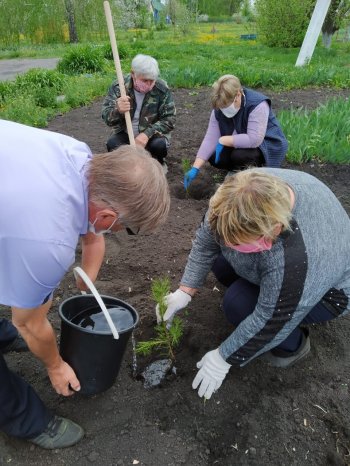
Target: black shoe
<point>18,345</point>
<point>59,433</point>
<point>280,358</point>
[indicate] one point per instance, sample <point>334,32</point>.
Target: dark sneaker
<point>59,433</point>
<point>280,358</point>
<point>18,345</point>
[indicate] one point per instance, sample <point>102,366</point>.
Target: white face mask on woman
<point>230,111</point>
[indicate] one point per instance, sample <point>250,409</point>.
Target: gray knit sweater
<point>305,266</point>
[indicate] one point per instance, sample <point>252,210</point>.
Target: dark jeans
<point>241,297</point>
<point>22,413</point>
<point>156,146</point>
<point>238,159</point>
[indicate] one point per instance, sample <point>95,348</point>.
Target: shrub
<point>107,53</point>
<point>23,109</point>
<point>82,59</point>
<point>38,78</point>
<point>45,97</point>
<point>283,23</point>
<point>203,18</point>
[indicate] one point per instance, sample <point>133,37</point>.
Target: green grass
<point>322,134</point>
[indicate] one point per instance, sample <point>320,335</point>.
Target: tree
<point>338,11</point>
<point>73,35</point>
<point>219,7</point>
<point>283,23</point>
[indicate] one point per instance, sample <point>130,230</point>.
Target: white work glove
<point>175,302</point>
<point>212,371</point>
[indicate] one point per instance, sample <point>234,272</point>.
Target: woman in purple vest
<point>242,131</point>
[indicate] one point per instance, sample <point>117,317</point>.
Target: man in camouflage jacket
<point>151,107</point>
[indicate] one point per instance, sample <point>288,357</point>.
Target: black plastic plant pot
<point>95,356</point>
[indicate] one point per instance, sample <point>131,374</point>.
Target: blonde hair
<point>225,90</point>
<point>132,183</point>
<point>248,205</point>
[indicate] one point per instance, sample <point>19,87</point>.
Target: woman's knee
<point>240,300</point>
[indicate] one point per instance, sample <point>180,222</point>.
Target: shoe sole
<point>275,361</point>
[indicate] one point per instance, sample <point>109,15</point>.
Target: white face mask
<point>92,228</point>
<point>230,111</point>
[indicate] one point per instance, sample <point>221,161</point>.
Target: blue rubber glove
<point>190,176</point>
<point>218,151</point>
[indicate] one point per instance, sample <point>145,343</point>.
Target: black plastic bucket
<point>95,356</point>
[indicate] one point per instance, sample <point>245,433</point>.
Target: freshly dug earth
<point>260,415</point>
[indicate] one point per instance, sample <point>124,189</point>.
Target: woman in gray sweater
<point>279,241</point>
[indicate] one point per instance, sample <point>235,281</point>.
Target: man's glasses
<point>131,232</point>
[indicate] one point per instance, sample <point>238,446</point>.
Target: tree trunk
<point>327,39</point>
<point>73,35</point>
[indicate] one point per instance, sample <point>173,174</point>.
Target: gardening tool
<point>118,67</point>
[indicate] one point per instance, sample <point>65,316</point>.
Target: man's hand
<point>63,379</point>
<point>175,302</point>
<point>212,371</point>
<point>142,140</point>
<point>122,104</point>
<point>190,176</point>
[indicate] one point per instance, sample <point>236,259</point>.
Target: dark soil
<point>260,415</point>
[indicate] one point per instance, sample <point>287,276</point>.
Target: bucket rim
<point>99,333</point>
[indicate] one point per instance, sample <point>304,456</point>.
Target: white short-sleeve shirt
<point>43,210</point>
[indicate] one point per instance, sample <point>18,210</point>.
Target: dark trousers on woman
<point>232,159</point>
<point>156,146</point>
<point>241,298</point>
<point>22,413</point>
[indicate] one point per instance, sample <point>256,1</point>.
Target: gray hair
<point>146,66</point>
<point>132,183</point>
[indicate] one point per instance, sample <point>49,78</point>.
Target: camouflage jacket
<point>158,113</point>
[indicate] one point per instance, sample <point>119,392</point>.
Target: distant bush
<point>107,53</point>
<point>38,78</point>
<point>238,18</point>
<point>220,19</point>
<point>82,59</point>
<point>283,23</point>
<point>203,18</point>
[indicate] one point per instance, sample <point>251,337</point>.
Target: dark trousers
<point>156,146</point>
<point>22,413</point>
<point>232,159</point>
<point>241,298</point>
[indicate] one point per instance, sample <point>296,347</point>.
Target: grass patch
<point>322,134</point>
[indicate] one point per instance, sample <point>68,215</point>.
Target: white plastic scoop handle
<point>79,271</point>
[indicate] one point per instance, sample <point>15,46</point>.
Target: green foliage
<point>24,109</point>
<point>247,11</point>
<point>82,90</point>
<point>283,23</point>
<point>123,51</point>
<point>223,7</point>
<point>39,78</point>
<point>186,165</point>
<point>166,338</point>
<point>322,134</point>
<point>82,59</point>
<point>181,17</point>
